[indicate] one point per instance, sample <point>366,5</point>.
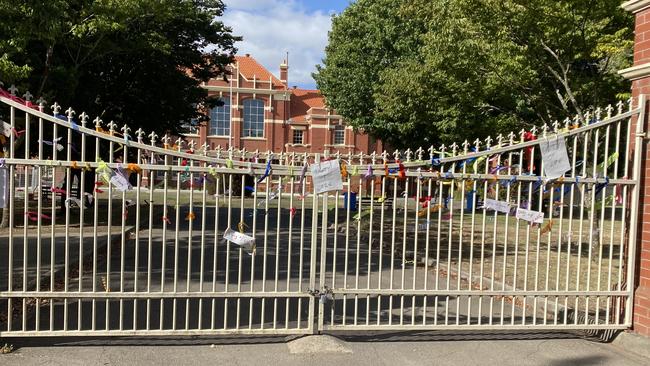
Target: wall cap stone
<point>636,72</point>
<point>635,6</point>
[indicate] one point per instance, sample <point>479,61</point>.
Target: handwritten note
<point>499,206</point>
<point>536,217</point>
<point>4,182</point>
<point>243,240</point>
<point>326,176</point>
<point>120,182</point>
<point>6,129</point>
<point>554,155</point>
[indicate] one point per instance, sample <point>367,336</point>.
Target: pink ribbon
<point>33,216</point>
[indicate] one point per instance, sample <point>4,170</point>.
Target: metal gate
<point>109,235</point>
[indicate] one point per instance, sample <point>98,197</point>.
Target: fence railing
<point>153,238</point>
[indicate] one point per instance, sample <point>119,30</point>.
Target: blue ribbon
<point>267,172</point>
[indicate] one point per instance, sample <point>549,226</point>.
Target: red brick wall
<point>641,317</point>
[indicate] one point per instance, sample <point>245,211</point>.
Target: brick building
<point>261,112</point>
<point>639,74</point>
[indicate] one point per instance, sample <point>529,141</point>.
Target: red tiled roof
<point>249,68</point>
<point>302,100</point>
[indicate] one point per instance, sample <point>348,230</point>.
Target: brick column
<point>639,74</point>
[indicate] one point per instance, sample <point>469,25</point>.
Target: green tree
<point>138,62</point>
<point>432,71</point>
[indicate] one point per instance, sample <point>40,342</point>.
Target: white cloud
<point>273,27</point>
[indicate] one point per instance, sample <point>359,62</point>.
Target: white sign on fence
<point>3,187</point>
<point>536,217</point>
<point>243,240</point>
<point>6,129</point>
<point>326,176</point>
<point>554,155</point>
<point>499,206</point>
<point>120,182</point>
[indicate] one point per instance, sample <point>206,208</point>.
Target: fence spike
<point>28,96</point>
<point>179,143</point>
<point>619,106</point>
<point>41,102</point>
<point>111,126</point>
<point>139,133</point>
<point>56,108</point>
<point>419,153</point>
<point>545,129</point>
<point>125,131</point>
<point>98,122</point>
<point>488,141</point>
<point>204,149</point>
<point>556,126</point>
<point>70,113</point>
<point>84,118</point>
<point>13,90</point>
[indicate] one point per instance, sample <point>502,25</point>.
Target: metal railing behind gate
<point>139,246</point>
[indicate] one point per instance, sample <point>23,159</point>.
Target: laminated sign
<point>554,155</point>
<point>499,206</point>
<point>536,217</point>
<point>120,182</point>
<point>6,129</point>
<point>243,240</point>
<point>326,176</point>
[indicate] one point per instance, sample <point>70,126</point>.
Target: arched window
<point>253,118</point>
<point>220,119</point>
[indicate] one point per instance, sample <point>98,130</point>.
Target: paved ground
<point>414,349</point>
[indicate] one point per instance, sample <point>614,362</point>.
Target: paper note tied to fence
<point>555,157</point>
<point>499,206</point>
<point>120,182</point>
<point>243,240</point>
<point>326,176</point>
<point>536,217</point>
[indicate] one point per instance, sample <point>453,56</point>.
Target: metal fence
<point>162,238</point>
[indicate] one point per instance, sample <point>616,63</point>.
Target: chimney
<point>284,73</point>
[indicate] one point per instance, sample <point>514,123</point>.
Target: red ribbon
<point>528,136</point>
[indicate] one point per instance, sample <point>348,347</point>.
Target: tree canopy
<point>138,62</point>
<point>432,71</point>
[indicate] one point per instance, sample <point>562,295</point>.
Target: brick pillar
<point>639,74</point>
<point>203,133</point>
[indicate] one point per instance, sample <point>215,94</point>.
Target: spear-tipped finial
<point>28,96</point>
<point>13,90</point>
<point>139,133</point>
<point>70,113</point>
<point>84,118</point>
<point>56,108</point>
<point>98,122</point>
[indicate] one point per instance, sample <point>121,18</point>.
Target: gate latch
<point>325,295</point>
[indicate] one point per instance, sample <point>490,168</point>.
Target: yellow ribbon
<point>134,168</point>
<point>433,208</point>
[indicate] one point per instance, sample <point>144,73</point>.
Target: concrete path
<point>414,349</point>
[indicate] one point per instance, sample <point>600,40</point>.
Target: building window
<point>220,119</point>
<point>339,135</point>
<point>253,118</point>
<point>191,127</point>
<point>298,136</point>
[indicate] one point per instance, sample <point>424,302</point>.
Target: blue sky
<point>273,27</point>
